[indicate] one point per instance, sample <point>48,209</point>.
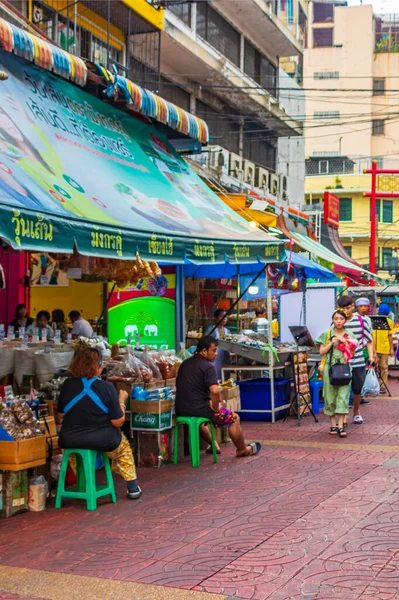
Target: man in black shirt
<point>198,395</point>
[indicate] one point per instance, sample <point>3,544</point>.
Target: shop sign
<point>331,209</point>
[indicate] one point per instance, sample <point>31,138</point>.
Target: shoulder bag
<point>340,374</point>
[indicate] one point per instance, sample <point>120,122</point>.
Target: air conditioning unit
<point>236,166</point>
<point>218,159</point>
<point>262,179</point>
<point>249,173</point>
<point>274,184</point>
<point>284,187</point>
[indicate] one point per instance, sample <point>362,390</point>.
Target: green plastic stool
<point>85,488</point>
<point>193,427</point>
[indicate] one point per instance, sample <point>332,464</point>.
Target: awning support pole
<point>105,307</point>
<point>241,295</point>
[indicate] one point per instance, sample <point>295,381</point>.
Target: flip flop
<point>342,432</point>
<point>255,447</point>
<point>333,431</point>
<point>209,450</point>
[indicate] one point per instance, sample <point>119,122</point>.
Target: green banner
<point>76,170</point>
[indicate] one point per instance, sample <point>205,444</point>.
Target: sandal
<point>250,450</point>
<point>342,432</point>
<point>333,430</point>
<point>210,451</point>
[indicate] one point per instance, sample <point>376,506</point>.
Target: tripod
<point>299,398</point>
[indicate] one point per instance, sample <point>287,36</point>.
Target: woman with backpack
<point>336,348</point>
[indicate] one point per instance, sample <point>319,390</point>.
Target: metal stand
<point>381,381</point>
<point>298,396</point>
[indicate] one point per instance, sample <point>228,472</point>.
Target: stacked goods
<point>151,409</point>
<point>123,272</point>
<point>230,392</point>
<point>128,369</point>
<point>18,420</point>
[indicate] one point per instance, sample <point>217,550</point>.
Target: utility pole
<point>373,208</point>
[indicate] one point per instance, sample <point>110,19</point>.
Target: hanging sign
<point>331,209</point>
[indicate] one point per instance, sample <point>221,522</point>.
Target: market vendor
<point>198,395</point>
<point>223,357</point>
<point>260,323</point>
<point>42,322</point>
<point>58,318</point>
<point>81,327</point>
<point>21,318</point>
<point>93,414</point>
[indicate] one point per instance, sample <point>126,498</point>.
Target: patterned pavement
<point>313,517</point>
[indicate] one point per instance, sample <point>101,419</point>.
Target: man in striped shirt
<point>360,329</point>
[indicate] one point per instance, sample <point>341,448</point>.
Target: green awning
<point>75,171</point>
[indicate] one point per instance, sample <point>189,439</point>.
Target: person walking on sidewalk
<point>362,308</point>
<point>360,329</point>
<point>384,345</point>
<point>336,347</point>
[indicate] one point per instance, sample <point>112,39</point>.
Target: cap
<point>384,310</point>
<point>362,302</point>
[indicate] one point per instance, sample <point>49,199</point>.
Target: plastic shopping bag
<point>371,387</point>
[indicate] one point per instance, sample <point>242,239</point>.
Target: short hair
<point>260,311</point>
<point>86,363</point>
<point>345,301</point>
<point>218,312</point>
<point>58,315</point>
<point>18,308</point>
<point>74,313</point>
<point>43,313</point>
<point>205,343</point>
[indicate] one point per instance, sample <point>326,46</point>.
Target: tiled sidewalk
<point>312,517</point>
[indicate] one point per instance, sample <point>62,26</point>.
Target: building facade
<point>352,78</point>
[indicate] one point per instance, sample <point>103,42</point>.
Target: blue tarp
<point>229,270</point>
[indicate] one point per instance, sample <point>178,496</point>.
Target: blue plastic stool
<point>315,387</point>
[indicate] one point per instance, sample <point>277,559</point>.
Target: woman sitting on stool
<point>93,415</point>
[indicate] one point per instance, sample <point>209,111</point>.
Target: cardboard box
<point>50,407</point>
<point>13,492</point>
<point>154,385</point>
<point>153,414</point>
<point>22,452</point>
<point>170,382</point>
<point>50,426</point>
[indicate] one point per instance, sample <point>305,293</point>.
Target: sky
<point>380,6</point>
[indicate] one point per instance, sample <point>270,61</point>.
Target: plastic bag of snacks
<point>37,493</point>
<point>149,362</point>
<point>49,364</point>
<point>25,364</point>
<point>183,352</point>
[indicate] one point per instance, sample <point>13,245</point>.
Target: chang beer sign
<point>151,421</point>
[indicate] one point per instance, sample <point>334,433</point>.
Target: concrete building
<point>352,79</point>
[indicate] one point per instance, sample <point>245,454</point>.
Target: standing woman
<point>336,347</point>
<point>222,357</point>
<point>93,415</point>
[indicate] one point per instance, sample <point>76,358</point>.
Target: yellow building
<point>352,76</point>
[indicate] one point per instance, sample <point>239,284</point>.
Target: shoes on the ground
<point>358,420</point>
<point>135,495</point>
<point>364,401</point>
<point>383,391</point>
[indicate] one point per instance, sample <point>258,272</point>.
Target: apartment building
<point>352,83</point>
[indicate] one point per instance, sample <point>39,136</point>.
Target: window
<point>378,127</point>
<point>322,12</point>
<point>182,11</point>
<point>326,75</point>
<point>218,32</point>
<point>331,114</point>
<point>348,250</point>
<point>345,209</point>
<point>379,160</point>
<point>387,211</point>
<point>386,257</point>
<point>323,167</point>
<point>323,38</point>
<point>259,68</point>
<point>378,87</point>
<point>259,146</point>
<point>223,132</point>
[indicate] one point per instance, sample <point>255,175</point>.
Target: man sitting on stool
<point>198,395</point>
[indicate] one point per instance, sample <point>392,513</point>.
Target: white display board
<point>320,305</point>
